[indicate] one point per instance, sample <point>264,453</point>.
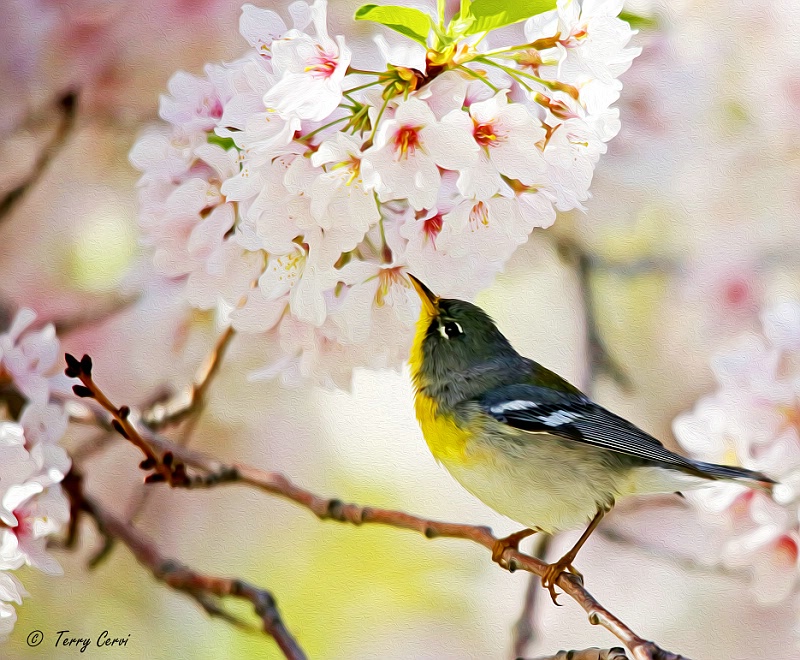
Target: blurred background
<point>691,231</point>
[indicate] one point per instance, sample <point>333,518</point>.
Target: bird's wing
<point>574,417</point>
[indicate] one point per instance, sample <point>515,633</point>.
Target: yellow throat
<point>446,440</point>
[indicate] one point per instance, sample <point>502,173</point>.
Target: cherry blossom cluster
<point>753,419</point>
<point>32,464</point>
<point>293,191</point>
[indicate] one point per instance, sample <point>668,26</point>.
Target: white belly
<point>545,482</point>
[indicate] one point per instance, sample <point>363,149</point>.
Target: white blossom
<point>509,141</point>
<point>293,193</point>
<point>753,419</point>
<point>402,164</point>
<point>32,505</point>
<point>26,357</point>
<point>311,70</point>
<point>340,203</point>
<point>11,591</point>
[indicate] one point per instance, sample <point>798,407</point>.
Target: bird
<point>528,443</point>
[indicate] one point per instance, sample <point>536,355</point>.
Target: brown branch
<point>588,654</point>
<point>88,318</point>
<point>119,416</point>
<point>67,105</point>
<point>190,402</point>
<point>171,456</point>
<point>187,405</point>
<point>600,360</point>
<point>334,509</point>
<point>204,589</point>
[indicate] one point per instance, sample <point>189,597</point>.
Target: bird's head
<point>455,341</point>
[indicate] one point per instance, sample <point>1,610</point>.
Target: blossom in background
<point>11,591</point>
<point>32,464</point>
<point>295,192</point>
<point>753,420</point>
<point>27,357</point>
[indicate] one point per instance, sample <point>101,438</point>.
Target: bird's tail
<point>743,476</point>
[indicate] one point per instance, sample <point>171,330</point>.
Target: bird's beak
<point>430,302</point>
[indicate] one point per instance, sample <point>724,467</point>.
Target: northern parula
<point>528,443</point>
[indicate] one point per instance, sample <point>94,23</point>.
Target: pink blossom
<point>753,419</point>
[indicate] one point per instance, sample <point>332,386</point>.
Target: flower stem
<point>550,84</point>
<point>477,75</point>
<point>368,143</point>
<point>360,87</point>
<point>507,69</point>
<point>507,49</point>
<point>308,136</point>
<point>364,72</point>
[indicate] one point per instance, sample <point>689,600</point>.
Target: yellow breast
<point>446,439</point>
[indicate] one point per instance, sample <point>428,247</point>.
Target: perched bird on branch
<point>528,443</point>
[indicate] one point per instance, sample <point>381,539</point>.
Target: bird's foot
<point>553,571</point>
<point>511,541</point>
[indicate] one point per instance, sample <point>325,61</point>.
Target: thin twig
<point>191,402</point>
<point>187,406</point>
<point>120,416</point>
<point>92,446</point>
<point>588,654</point>
<point>600,360</point>
<point>201,587</point>
<point>67,106</point>
<point>104,312</point>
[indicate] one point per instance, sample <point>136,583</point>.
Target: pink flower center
<point>737,292</point>
<point>406,141</point>
<point>214,108</point>
<point>487,135</point>
<point>786,550</point>
<point>431,228</point>
<point>23,528</point>
<point>323,65</point>
<point>388,278</point>
<point>479,216</point>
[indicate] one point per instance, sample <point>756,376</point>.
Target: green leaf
<point>410,22</point>
<point>462,20</point>
<point>224,142</point>
<point>637,21</point>
<point>491,14</point>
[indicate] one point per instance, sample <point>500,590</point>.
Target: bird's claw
<point>553,571</point>
<point>509,542</point>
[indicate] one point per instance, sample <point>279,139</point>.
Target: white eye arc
<point>450,329</point>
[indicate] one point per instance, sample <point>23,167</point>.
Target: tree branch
<point>190,402</point>
<point>174,458</point>
<point>600,360</point>
<point>201,587</point>
<point>588,654</point>
<point>67,105</point>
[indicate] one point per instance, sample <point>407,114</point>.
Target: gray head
<point>458,347</point>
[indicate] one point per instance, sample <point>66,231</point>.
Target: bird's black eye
<point>451,329</point>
